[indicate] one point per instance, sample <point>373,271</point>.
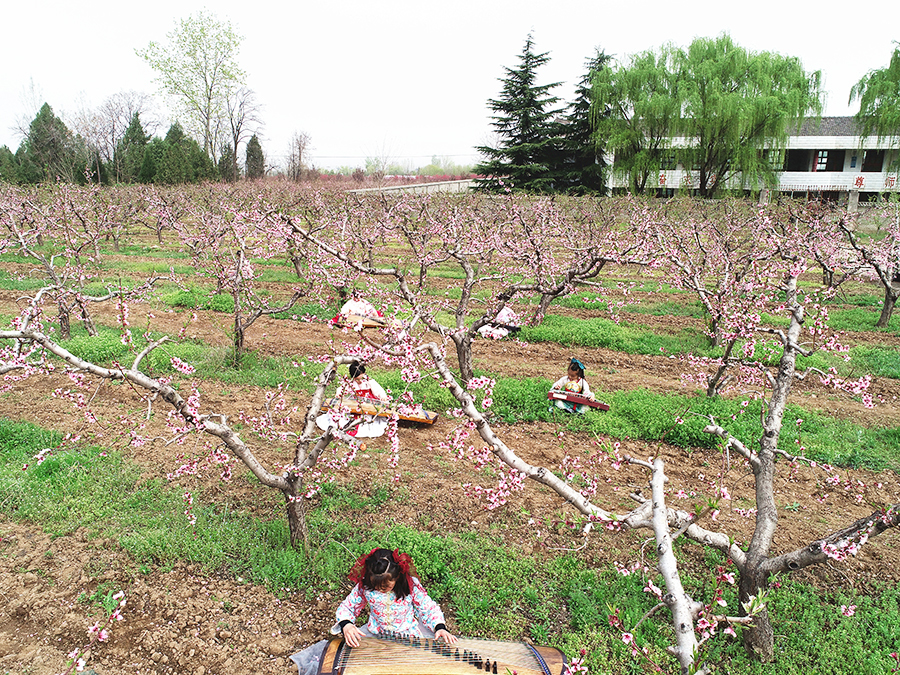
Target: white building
<point>826,159</point>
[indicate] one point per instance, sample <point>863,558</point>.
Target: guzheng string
<point>405,653</point>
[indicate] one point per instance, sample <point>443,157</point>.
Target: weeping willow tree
<point>728,108</point>
<point>636,108</point>
<point>878,93</point>
<point>737,105</point>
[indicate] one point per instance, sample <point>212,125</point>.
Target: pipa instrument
<point>395,654</point>
<point>571,397</point>
<point>362,407</point>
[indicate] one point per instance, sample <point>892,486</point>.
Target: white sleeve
<point>560,383</point>
<point>378,390</point>
<point>585,389</point>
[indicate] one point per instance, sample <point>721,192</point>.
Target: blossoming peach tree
<point>499,248</point>
<point>59,229</point>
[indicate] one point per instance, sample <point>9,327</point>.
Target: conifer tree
<point>227,164</point>
<point>582,169</point>
<point>255,164</point>
<point>529,133</point>
<point>9,167</point>
<point>48,151</point>
<point>153,155</point>
<point>129,155</point>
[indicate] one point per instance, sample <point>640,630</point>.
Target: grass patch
<point>631,339</point>
<point>878,361</point>
<point>862,319</point>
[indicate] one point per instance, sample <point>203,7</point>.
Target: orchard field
<point>212,585</point>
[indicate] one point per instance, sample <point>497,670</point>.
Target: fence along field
<point>448,265</point>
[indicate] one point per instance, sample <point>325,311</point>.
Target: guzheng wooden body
<point>353,320</point>
<point>560,395</point>
<point>360,407</point>
<point>394,654</point>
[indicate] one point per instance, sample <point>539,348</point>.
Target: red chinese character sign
<point>859,182</point>
<point>662,178</point>
<point>890,182</point>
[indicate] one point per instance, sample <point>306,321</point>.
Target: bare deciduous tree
<point>296,159</point>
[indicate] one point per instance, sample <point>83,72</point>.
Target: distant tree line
<point>51,152</point>
<point>198,71</point>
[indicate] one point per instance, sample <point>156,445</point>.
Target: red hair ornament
<point>357,573</point>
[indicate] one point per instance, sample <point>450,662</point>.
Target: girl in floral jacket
<point>385,582</point>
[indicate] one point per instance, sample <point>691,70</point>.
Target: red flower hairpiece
<point>403,560</point>
<point>358,572</point>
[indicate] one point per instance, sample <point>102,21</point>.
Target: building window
<point>797,160</point>
<point>830,160</point>
<point>873,161</point>
<point>668,161</point>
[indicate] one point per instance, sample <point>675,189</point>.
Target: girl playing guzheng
<point>385,582</point>
<point>362,388</point>
<point>573,382</point>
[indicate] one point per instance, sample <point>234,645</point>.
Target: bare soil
<point>181,620</point>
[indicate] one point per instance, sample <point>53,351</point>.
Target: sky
<point>398,80</point>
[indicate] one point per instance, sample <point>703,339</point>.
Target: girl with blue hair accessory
<point>573,382</point>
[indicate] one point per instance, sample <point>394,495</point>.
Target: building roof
<point>829,126</point>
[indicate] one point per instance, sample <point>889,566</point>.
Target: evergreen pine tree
<point>129,155</point>
<point>173,167</point>
<point>153,155</point>
<point>227,165</point>
<point>48,151</point>
<point>255,164</point>
<point>525,121</point>
<point>9,167</point>
<point>583,168</point>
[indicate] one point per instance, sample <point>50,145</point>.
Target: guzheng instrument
<point>560,395</point>
<point>353,320</point>
<point>362,407</point>
<point>395,654</point>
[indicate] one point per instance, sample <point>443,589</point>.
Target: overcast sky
<point>399,79</point>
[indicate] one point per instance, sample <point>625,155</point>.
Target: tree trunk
<point>296,516</point>
<point>65,331</point>
<point>238,341</point>
<point>542,308</point>
<point>759,638</point>
<point>86,319</point>
<point>463,342</point>
<point>890,299</point>
<point>718,380</point>
<point>238,328</point>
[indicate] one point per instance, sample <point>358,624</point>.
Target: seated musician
<point>384,581</point>
<point>386,584</point>
<point>363,389</point>
<point>356,306</point>
<point>573,382</point>
<point>504,323</point>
